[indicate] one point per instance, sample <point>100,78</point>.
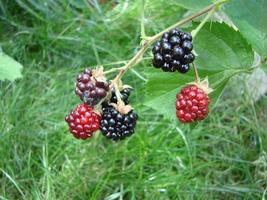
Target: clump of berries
<point>173,52</point>
<point>91,86</point>
<point>117,125</point>
<point>83,121</point>
<point>116,119</point>
<point>192,103</point>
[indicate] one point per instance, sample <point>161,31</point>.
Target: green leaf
<point>250,17</point>
<point>9,68</point>
<point>165,87</point>
<point>221,47</point>
<point>192,4</point>
<point>161,90</point>
<point>222,53</point>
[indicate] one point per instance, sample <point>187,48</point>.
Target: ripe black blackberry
<point>117,126</point>
<point>125,93</point>
<point>91,89</point>
<point>173,51</point>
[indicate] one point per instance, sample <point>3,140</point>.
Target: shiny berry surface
<point>173,52</point>
<point>89,89</point>
<point>117,126</point>
<point>125,93</point>
<point>83,121</point>
<point>192,104</point>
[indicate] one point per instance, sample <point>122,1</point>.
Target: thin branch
<point>197,79</point>
<point>113,70</point>
<point>150,40</point>
<point>195,31</point>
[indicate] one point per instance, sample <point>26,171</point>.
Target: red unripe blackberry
<point>83,121</point>
<point>115,125</point>
<point>173,52</point>
<point>192,104</point>
<point>90,89</point>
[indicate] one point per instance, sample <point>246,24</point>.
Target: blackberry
<point>83,121</point>
<point>173,52</point>
<point>90,89</point>
<point>192,102</point>
<point>125,93</point>
<point>117,126</point>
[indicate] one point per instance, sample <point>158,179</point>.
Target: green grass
<point>222,158</point>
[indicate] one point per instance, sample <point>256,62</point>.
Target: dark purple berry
<point>191,57</point>
<point>175,64</point>
<point>164,40</point>
<point>167,58</point>
<point>173,51</point>
<point>175,32</point>
<point>187,46</point>
<point>166,35</point>
<point>166,67</point>
<point>175,40</point>
<point>158,60</point>
<point>125,93</point>
<point>156,49</point>
<point>89,89</point>
<point>184,68</point>
<point>178,52</point>
<point>166,47</point>
<point>117,126</point>
<point>186,36</point>
<point>188,58</point>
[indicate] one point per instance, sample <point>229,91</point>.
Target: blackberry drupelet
<point>89,89</point>
<point>117,126</point>
<point>173,52</point>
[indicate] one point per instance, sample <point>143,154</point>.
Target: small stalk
<point>112,70</point>
<point>196,30</point>
<point>150,40</point>
<point>197,79</point>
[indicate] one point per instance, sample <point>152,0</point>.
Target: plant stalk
<point>150,40</point>
<point>197,79</point>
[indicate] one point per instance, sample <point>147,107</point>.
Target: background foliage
<point>221,158</point>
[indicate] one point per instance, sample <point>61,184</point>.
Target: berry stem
<point>197,79</point>
<point>148,41</point>
<point>113,70</point>
<point>198,28</point>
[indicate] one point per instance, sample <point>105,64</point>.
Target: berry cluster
<point>114,124</point>
<point>192,104</point>
<point>89,89</point>
<point>173,52</point>
<point>117,126</point>
<point>117,120</point>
